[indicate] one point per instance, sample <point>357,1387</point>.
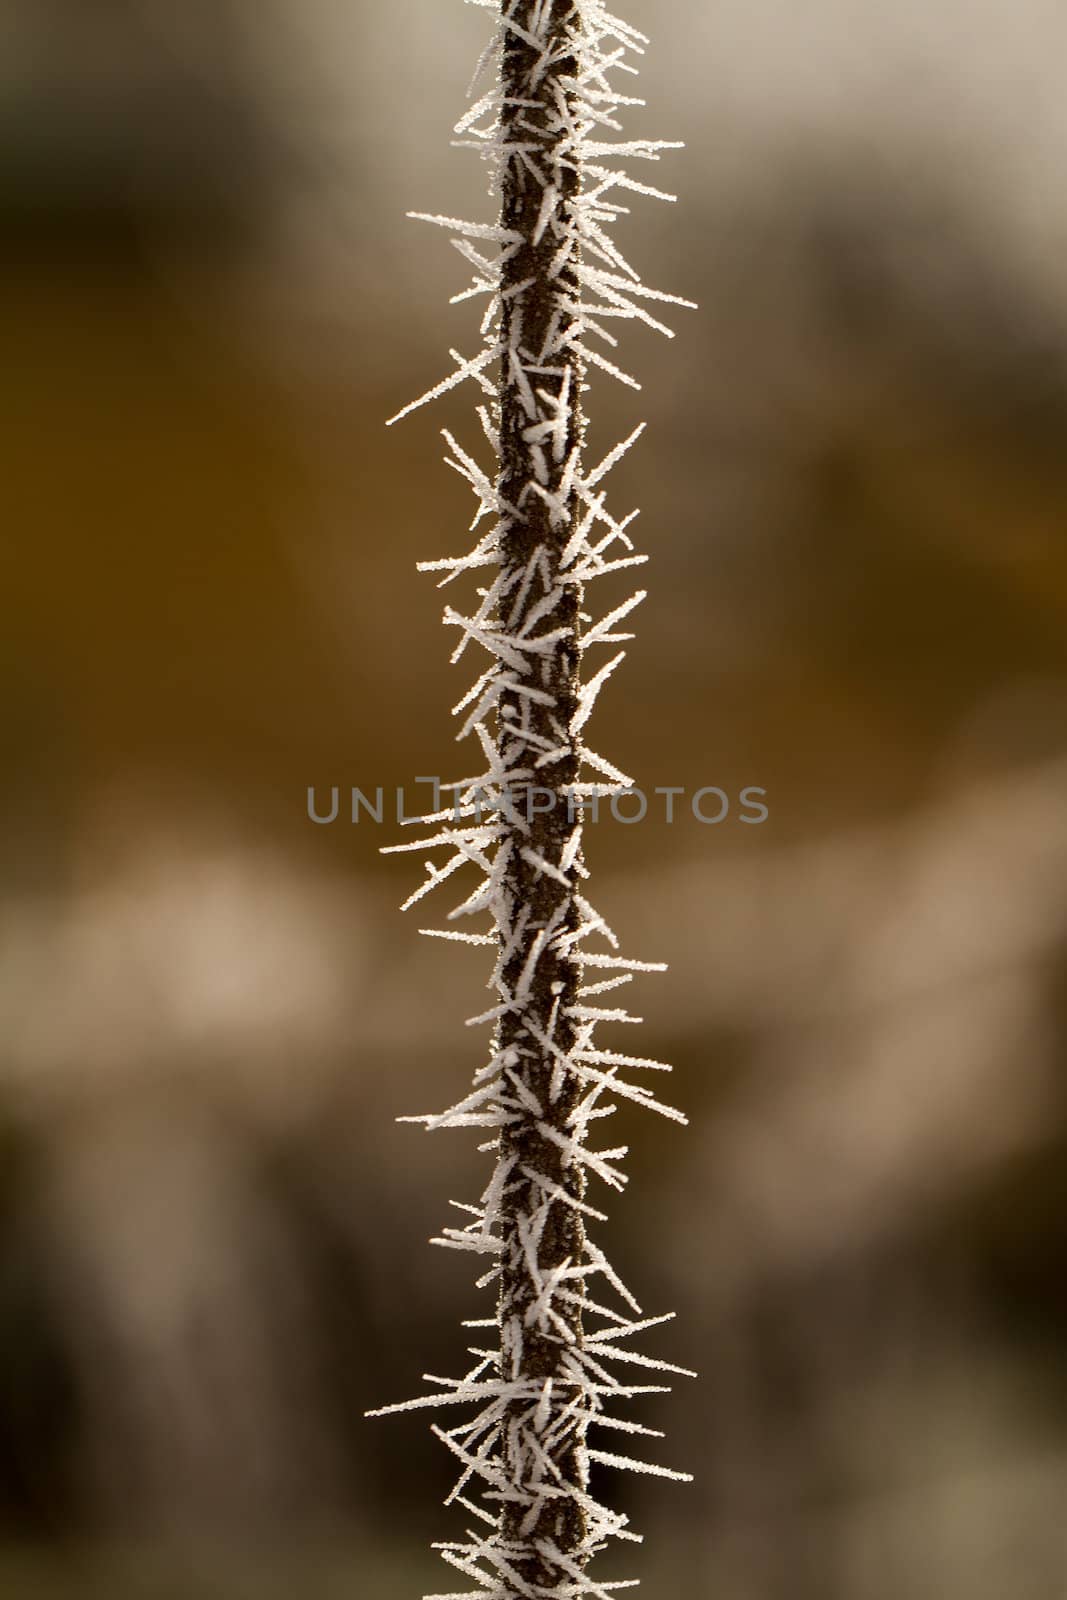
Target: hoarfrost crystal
<point>552,280</point>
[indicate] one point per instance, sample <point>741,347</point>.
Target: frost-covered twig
<point>553,282</point>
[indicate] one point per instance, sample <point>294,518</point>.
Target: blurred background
<point>212,1234</point>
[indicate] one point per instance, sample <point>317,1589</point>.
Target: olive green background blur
<point>212,1233</point>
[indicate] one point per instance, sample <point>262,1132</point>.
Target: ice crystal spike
<point>553,281</point>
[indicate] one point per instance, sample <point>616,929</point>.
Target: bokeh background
<point>212,1255</point>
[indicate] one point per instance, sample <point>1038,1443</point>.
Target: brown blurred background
<point>212,1252</point>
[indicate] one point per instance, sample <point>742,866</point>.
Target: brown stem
<point>534,318</point>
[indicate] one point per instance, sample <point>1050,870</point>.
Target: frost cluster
<point>511,1484</point>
